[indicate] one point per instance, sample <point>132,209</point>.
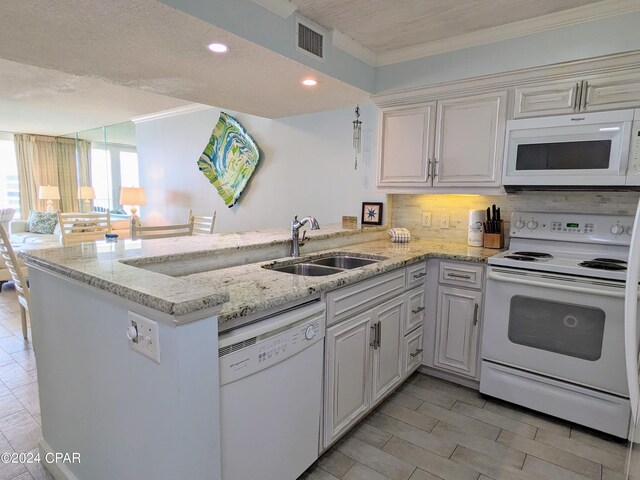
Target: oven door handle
<point>567,288</point>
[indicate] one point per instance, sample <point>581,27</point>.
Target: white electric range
<point>553,336</point>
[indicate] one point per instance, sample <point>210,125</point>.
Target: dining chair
<point>161,231</point>
<point>78,227</point>
<point>203,225</point>
<point>17,275</point>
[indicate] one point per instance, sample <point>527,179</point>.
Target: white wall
<point>306,168</point>
<point>602,37</point>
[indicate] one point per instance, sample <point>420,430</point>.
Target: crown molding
<point>173,112</point>
<point>282,8</point>
<point>565,18</point>
<point>353,48</point>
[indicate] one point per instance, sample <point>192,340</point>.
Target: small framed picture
<point>371,213</point>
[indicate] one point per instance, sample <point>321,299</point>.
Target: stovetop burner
<point>611,260</point>
<point>534,254</point>
<point>522,258</point>
<point>603,265</point>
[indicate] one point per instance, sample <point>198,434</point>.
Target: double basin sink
<point>329,265</point>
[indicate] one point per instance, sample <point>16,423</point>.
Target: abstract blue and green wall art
<point>229,159</point>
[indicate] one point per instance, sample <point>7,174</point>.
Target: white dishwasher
<point>271,395</point>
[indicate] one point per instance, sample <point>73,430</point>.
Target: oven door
<point>577,150</point>
<point>568,328</point>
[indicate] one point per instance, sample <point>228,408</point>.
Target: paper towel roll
<point>476,217</point>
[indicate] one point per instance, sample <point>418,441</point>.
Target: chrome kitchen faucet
<point>296,241</point>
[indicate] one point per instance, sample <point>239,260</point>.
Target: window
<point>9,185</point>
<point>112,167</point>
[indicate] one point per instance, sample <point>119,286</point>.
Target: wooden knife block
<point>494,240</point>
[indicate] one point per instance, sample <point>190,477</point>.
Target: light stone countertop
<point>236,291</point>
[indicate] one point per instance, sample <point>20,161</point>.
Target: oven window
<point>591,155</point>
<point>573,330</point>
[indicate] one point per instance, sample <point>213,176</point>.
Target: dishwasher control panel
<point>251,355</point>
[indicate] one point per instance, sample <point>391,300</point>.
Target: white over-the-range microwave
<point>581,151</point>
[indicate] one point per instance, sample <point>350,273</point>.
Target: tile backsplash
<point>406,210</point>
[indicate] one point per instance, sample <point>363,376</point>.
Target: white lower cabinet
<point>347,347</point>
<point>457,330</point>
<point>367,355</point>
<point>412,351</point>
<point>387,351</point>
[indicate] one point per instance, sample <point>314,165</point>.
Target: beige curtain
<point>46,160</point>
<point>67,174</point>
<point>83,152</point>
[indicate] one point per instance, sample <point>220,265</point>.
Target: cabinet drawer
<point>461,274</point>
<point>412,351</point>
<point>348,301</point>
<point>416,304</point>
<point>416,274</point>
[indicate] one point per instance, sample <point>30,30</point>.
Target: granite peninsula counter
<point>223,272</point>
<point>104,398</point>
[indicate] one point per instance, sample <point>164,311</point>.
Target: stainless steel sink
<point>345,262</point>
<point>307,269</point>
<point>327,265</point>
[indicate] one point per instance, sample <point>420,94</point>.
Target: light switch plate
<point>426,219</point>
<point>147,341</point>
<point>444,221</point>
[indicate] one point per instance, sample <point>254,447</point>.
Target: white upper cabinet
<point>586,94</point>
<point>469,141</point>
<point>459,146</point>
<point>406,144</point>
<point>554,98</point>
<point>612,92</point>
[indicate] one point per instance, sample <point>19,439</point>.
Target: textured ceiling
<point>383,25</point>
<point>151,48</point>
<point>39,100</point>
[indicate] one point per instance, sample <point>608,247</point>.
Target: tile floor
<point>19,405</point>
<point>428,430</point>
<point>431,429</point>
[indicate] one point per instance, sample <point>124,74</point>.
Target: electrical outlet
<point>143,336</point>
<point>444,221</point>
<point>426,219</point>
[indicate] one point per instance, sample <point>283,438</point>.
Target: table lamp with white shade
<point>87,194</point>
<point>49,193</point>
<point>133,197</point>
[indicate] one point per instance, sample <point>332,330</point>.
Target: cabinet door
<point>553,98</point>
<point>469,141</point>
<point>347,373</point>
<point>416,304</point>
<point>457,327</point>
<point>412,352</point>
<point>387,354</point>
<point>405,146</point>
<point>620,91</point>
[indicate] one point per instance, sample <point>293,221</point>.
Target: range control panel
<point>578,227</point>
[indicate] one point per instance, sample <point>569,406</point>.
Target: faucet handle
<point>304,235</point>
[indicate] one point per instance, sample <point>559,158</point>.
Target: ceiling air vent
<point>310,40</point>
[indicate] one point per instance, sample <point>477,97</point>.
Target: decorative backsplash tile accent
<point>406,210</point>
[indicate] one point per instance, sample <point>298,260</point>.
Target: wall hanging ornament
<point>229,159</point>
<point>357,135</point>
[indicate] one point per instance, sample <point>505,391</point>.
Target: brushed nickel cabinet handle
<point>436,169</point>
<point>585,90</point>
<point>417,310</point>
<point>475,314</point>
<point>417,352</point>
<point>419,275</point>
<point>373,343</point>
<point>459,275</point>
<point>428,168</point>
<point>379,333</point>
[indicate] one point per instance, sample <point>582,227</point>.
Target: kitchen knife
<point>498,220</point>
<point>488,229</point>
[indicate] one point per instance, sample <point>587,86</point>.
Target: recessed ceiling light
<point>218,47</point>
<point>309,82</point>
